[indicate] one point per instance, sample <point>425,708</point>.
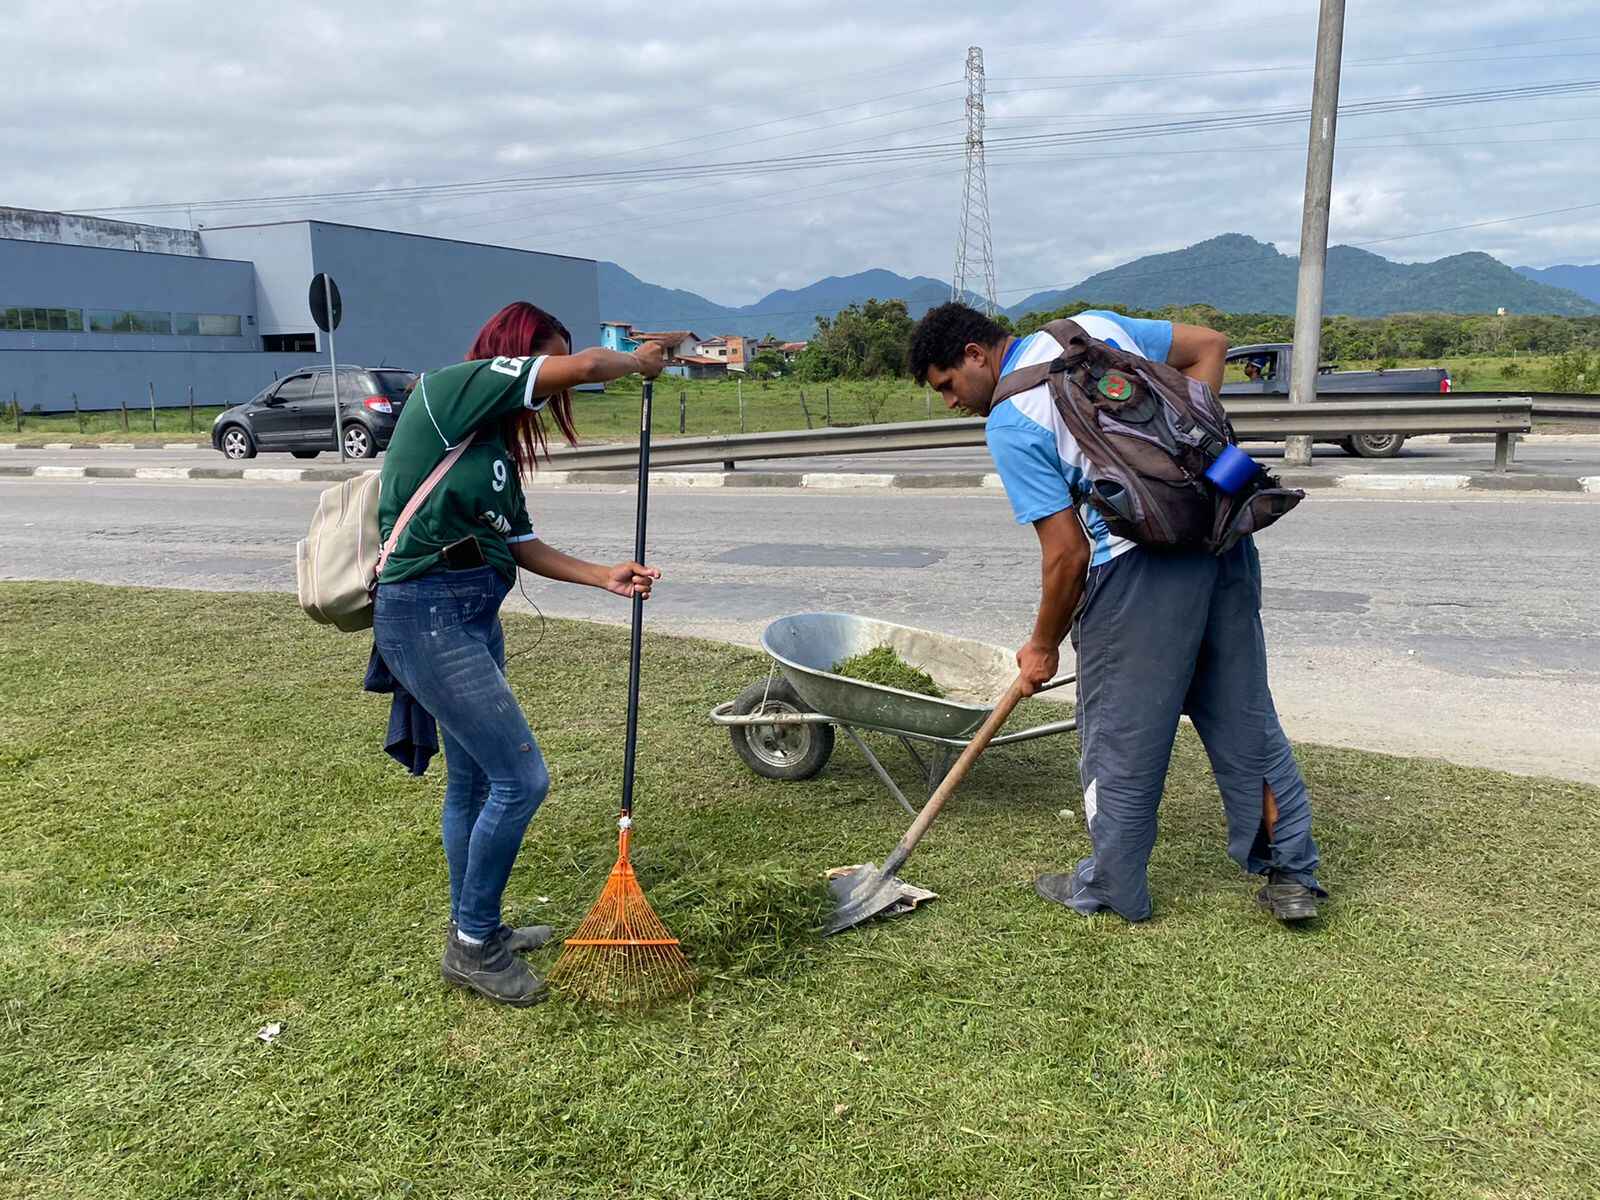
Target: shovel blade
<point>863,892</point>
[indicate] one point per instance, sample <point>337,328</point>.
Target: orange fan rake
<point>622,956</point>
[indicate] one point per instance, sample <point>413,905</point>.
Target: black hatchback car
<point>296,414</point>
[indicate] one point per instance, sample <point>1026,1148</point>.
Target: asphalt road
<point>1462,628</point>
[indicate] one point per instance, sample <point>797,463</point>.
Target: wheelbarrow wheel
<point>789,752</point>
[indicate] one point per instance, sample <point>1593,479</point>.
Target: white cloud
<point>167,101</point>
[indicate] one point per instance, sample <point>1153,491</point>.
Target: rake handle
<point>636,636</point>
<point>952,781</point>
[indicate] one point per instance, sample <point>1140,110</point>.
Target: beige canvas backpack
<point>338,563</point>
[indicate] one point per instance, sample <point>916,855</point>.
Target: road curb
<point>831,481</point>
<point>104,446</point>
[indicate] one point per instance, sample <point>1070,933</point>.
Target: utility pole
<point>1314,221</point>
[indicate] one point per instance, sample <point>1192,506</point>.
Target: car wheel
<point>359,442</point>
<point>236,442</point>
<point>305,453</point>
<point>1376,445</point>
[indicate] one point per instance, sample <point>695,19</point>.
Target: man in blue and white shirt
<point>1157,634</point>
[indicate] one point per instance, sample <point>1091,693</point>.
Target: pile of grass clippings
<point>743,921</point>
<point>881,665</point>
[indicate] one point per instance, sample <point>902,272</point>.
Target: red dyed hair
<point>521,330</point>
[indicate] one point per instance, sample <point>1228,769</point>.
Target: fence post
<point>827,406</point>
<point>804,409</point>
<point>191,408</point>
<point>739,383</point>
<point>76,412</point>
<point>927,393</point>
<point>16,410</point>
<point>152,407</point>
<point>683,410</point>
<point>124,402</point>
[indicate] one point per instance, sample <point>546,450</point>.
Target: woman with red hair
<point>436,623</point>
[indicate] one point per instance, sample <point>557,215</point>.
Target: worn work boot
<point>490,971</point>
<point>1286,899</point>
<point>524,939</point>
<point>1058,888</point>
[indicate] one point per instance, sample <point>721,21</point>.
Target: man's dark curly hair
<point>942,336</point>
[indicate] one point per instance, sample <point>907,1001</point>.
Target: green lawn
<point>201,836</point>
<point>709,406</point>
<point>172,425</point>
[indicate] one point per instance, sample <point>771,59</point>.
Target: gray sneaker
<point>490,971</point>
<point>524,939</point>
<point>1287,899</point>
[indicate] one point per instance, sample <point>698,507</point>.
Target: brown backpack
<point>1149,433</point>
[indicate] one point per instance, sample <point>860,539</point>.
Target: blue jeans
<point>440,636</point>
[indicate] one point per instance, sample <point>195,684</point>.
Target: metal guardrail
<point>1381,414</point>
<point>1565,406</point>
<point>1253,420</point>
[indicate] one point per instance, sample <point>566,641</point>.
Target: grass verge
<point>199,837</point>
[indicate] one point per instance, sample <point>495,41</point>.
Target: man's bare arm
<point>1199,353</point>
<point>1064,554</point>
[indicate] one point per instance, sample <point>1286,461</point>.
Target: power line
<point>672,171</point>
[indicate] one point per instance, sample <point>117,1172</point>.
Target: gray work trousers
<point>1158,635</point>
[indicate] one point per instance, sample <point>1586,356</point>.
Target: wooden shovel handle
<point>951,781</point>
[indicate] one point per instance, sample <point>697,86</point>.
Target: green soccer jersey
<point>481,495</point>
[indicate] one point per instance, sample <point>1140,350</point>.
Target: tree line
<point>872,339</point>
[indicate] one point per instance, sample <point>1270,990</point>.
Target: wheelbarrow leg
<point>883,776</point>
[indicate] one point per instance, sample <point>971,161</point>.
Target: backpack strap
<point>417,497</point>
<point>1014,383</point>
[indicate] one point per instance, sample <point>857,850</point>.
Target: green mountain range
<point>1233,272</point>
<point>1239,274</point>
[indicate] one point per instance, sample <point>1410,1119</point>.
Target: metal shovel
<point>867,891</point>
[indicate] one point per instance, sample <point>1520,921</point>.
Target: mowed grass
<point>199,836</point>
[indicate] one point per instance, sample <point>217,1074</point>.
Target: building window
<point>205,325</point>
<point>289,343</point>
<point>41,320</point>
<point>129,321</point>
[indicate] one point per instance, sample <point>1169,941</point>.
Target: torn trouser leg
<point>1231,707</point>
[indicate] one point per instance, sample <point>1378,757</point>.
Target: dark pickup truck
<point>1267,373</point>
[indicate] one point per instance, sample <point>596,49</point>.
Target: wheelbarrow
<point>783,726</point>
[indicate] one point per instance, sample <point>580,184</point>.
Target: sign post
<point>326,310</point>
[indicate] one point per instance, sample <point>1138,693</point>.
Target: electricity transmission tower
<point>974,248</point>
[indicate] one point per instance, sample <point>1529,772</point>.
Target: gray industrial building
<point>105,310</point>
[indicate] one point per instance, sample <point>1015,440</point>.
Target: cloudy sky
<point>736,148</point>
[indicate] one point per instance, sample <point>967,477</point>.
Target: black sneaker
<point>1286,899</point>
<point>490,971</point>
<point>524,939</point>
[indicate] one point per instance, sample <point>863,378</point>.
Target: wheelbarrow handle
<point>951,781</point>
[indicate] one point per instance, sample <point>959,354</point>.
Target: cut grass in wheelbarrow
<point>881,665</point>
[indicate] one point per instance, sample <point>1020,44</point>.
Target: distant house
<point>618,335</point>
<point>686,357</point>
<point>790,350</point>
<point>731,348</point>
<point>696,366</point>
<point>678,343</point>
